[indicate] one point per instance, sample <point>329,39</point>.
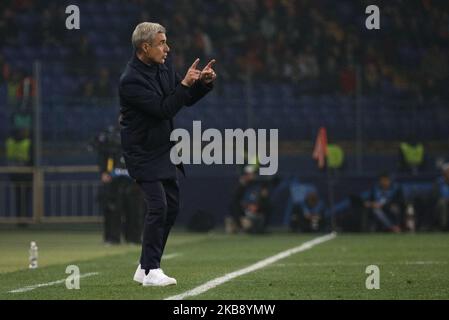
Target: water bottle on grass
<point>33,255</point>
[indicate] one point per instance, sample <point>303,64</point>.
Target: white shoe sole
<point>158,284</point>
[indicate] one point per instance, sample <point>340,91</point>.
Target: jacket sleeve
<point>197,91</point>
<point>138,95</point>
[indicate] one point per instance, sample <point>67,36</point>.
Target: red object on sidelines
<point>320,149</point>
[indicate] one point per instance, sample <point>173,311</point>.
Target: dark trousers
<point>162,206</point>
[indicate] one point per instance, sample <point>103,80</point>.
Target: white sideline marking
<point>263,263</point>
<point>29,288</point>
<point>349,264</point>
<point>170,256</point>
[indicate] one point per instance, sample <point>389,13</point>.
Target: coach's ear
<point>145,47</point>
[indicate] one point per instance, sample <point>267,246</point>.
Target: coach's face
<point>157,50</point>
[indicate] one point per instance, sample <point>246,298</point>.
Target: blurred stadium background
<point>292,65</point>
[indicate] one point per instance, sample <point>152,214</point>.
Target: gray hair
<point>146,32</point>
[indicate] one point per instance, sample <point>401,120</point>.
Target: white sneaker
<point>139,275</point>
<point>157,278</point>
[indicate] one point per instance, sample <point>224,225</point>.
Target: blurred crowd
<point>319,45</point>
<point>322,46</point>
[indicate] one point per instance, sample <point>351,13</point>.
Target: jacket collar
<point>147,68</point>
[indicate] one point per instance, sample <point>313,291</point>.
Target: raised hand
<point>192,75</point>
<point>208,74</point>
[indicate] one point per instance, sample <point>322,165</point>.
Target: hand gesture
<point>208,74</point>
<point>192,74</point>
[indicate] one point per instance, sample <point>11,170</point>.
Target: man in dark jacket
<point>151,94</point>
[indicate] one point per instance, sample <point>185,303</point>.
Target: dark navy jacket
<point>150,96</point>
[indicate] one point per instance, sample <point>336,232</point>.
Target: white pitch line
<point>350,264</point>
<point>261,264</point>
<point>170,256</point>
<point>29,288</point>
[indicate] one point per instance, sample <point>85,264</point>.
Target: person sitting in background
<point>246,180</point>
<point>309,216</point>
<point>257,209</point>
<point>251,207</point>
<point>386,205</point>
<point>440,197</point>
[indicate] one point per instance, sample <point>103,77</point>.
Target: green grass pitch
<point>412,266</point>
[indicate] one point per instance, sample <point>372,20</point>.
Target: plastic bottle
<point>33,255</point>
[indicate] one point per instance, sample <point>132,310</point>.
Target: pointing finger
<point>195,64</point>
<point>209,65</point>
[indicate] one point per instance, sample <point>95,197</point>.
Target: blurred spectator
<point>307,65</point>
<point>250,209</point>
<point>82,60</point>
<point>26,92</point>
<point>371,77</point>
<point>87,89</point>
<point>385,206</point>
<point>335,159</point>
<point>310,215</point>
<point>46,28</point>
<point>5,70</point>
<point>440,198</point>
<point>435,64</point>
<point>257,210</point>
<point>348,80</point>
<point>268,25</point>
<point>251,64</point>
<point>202,44</point>
<point>237,211</point>
<point>23,4</point>
<point>19,153</point>
<point>102,86</point>
<point>97,91</point>
<point>12,88</point>
<point>412,155</point>
<point>18,148</point>
<point>20,93</point>
<point>120,199</point>
<point>329,76</point>
<point>8,27</point>
<point>22,119</point>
